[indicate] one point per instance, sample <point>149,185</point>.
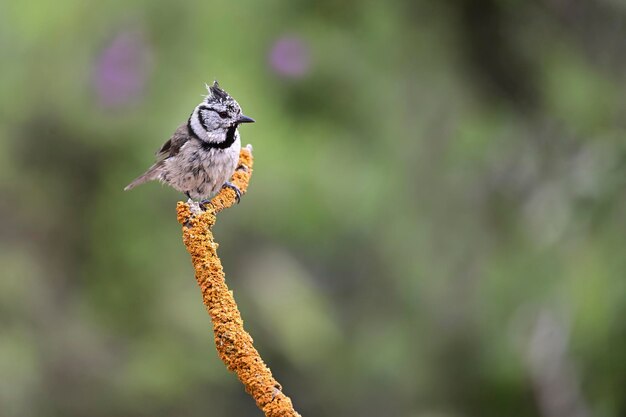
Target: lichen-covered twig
<point>234,344</point>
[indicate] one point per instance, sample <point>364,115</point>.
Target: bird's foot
<point>235,189</point>
<point>203,204</point>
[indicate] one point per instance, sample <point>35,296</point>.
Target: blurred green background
<point>436,225</point>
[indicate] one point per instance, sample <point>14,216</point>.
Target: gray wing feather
<point>169,149</point>
<point>173,145</point>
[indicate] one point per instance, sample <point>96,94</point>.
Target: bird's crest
<point>216,93</point>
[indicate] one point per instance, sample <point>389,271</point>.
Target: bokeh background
<point>436,225</point>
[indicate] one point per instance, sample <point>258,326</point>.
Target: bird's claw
<point>204,203</point>
<point>235,189</point>
<point>207,201</point>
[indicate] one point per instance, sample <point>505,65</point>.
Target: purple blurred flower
<point>290,57</point>
<point>122,68</point>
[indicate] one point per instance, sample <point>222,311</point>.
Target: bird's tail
<point>149,175</point>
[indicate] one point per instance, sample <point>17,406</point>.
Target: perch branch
<point>234,344</point>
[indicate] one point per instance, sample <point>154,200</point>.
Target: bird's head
<point>217,113</point>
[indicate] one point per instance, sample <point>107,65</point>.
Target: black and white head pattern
<point>216,117</point>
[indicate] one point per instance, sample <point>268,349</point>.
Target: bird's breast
<point>202,172</point>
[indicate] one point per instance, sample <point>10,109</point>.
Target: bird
<point>202,154</point>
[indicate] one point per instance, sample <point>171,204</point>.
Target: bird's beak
<point>245,119</point>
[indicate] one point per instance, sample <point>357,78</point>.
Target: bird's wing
<point>173,145</point>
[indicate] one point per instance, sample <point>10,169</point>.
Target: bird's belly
<point>203,173</point>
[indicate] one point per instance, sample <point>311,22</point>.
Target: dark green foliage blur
<point>436,225</point>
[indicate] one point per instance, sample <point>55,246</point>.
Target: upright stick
<point>233,343</point>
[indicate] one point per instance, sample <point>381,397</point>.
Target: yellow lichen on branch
<point>233,343</point>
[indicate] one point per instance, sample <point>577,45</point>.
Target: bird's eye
<point>223,114</point>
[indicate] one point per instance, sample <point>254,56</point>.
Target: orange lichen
<point>234,344</point>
